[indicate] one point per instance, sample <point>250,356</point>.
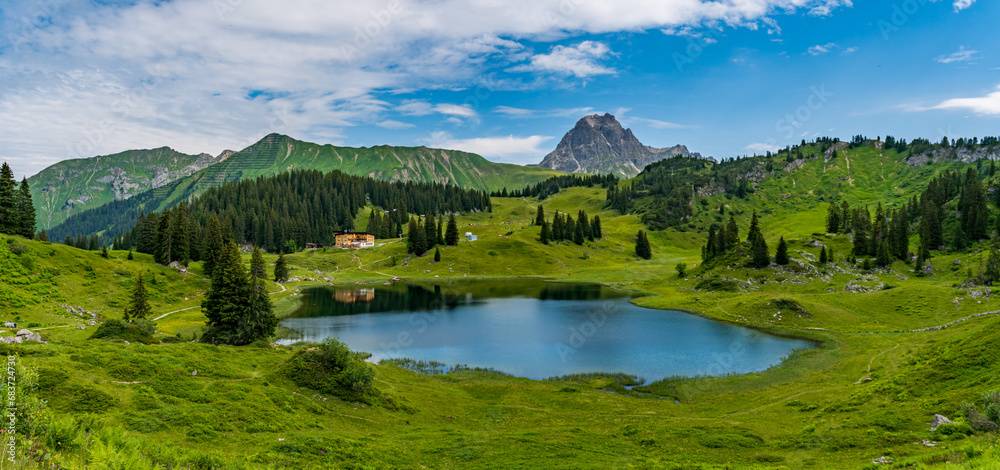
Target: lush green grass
<point>816,410</point>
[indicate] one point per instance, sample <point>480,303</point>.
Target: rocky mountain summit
<point>599,144</point>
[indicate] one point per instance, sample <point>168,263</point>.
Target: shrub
<point>331,367</point>
<point>137,331</point>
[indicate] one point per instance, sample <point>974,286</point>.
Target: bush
<point>138,331</point>
<point>331,367</point>
<point>717,285</point>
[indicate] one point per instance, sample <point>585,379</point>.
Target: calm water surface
<point>532,328</point>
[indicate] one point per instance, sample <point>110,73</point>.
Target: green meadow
<point>868,390</point>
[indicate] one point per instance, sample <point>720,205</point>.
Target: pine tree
<point>25,211</point>
<point>781,256</point>
<point>94,244</point>
<point>557,227</point>
<point>595,228</point>
<point>257,269</point>
<point>578,232</point>
<point>236,305</point>
<point>823,258</point>
<point>709,251</point>
<point>546,233</point>
<point>280,269</point>
<point>430,232</point>
<point>130,257</point>
<point>759,255</point>
<point>642,248</point>
<point>440,236</point>
<point>9,218</point>
<point>992,272</point>
<point>958,240</point>
<point>540,216</point>
<point>451,234</point>
<point>180,241</point>
<point>259,321</point>
<point>138,306</point>
<point>411,236</point>
<point>437,254</point>
<point>732,233</point>
<point>162,245</point>
<point>42,236</point>
<point>212,246</point>
<point>882,257</point>
<point>583,221</point>
<point>104,251</point>
<point>833,219</point>
<point>569,230</point>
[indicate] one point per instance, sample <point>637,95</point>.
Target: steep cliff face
<point>599,144</point>
<point>71,186</point>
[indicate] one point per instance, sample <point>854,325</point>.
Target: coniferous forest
<point>284,212</point>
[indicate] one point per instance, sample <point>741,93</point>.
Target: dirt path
<point>282,286</point>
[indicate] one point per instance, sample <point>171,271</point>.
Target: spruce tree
<point>958,240</point>
<point>224,302</point>
<point>104,251</point>
<point>781,256</point>
<point>25,211</point>
<point>540,216</point>
<point>759,255</point>
<point>992,272</point>
<point>430,232</point>
<point>411,236</point>
<point>9,218</point>
<point>161,247</point>
<point>257,269</point>
<point>569,230</point>
<point>546,233</point>
<point>642,248</point>
<point>578,232</point>
<point>280,269</point>
<point>582,220</point>
<point>258,321</point>
<point>732,233</point>
<point>440,232</point>
<point>882,257</point>
<point>437,254</point>
<point>595,228</point>
<point>833,219</point>
<point>42,236</point>
<point>823,258</point>
<point>130,257</point>
<point>451,234</point>
<point>180,242</point>
<point>557,227</point>
<point>212,246</point>
<point>138,306</point>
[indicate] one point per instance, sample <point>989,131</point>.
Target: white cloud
<point>324,68</point>
<point>962,4</point>
<point>821,49</point>
<point>826,8</point>
<point>962,55</point>
<point>580,60</point>
<point>544,113</point>
<point>850,50</point>
<point>762,147</point>
<point>456,110</point>
<point>657,124</point>
<point>985,105</point>
<point>508,149</point>
<point>390,124</point>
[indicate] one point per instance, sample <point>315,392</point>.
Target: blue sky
<point>502,79</point>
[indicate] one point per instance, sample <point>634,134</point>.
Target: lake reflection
<point>532,328</point>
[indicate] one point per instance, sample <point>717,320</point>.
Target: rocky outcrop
<point>952,154</point>
<point>599,144</point>
<point>939,420</point>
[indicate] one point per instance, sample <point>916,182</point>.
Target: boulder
<point>34,337</point>
<point>882,461</point>
<point>24,332</point>
<point>939,420</point>
<point>929,269</point>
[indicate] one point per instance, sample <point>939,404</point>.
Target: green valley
<point>895,345</point>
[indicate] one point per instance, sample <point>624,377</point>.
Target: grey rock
<point>24,332</point>
<point>883,461</point>
<point>939,420</point>
<point>928,269</point>
<point>599,144</point>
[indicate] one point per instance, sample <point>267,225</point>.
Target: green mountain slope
<point>73,186</point>
<point>277,153</point>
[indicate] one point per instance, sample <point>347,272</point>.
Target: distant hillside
<point>277,153</point>
<point>599,144</point>
<point>73,186</point>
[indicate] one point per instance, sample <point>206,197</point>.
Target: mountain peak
<point>599,144</point>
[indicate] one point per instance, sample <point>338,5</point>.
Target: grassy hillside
<point>73,186</point>
<point>867,392</point>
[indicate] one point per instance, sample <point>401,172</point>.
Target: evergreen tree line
<point>564,228</point>
<point>301,206</point>
<point>554,184</point>
<point>284,212</point>
<point>422,236</point>
<point>17,213</point>
<point>665,192</point>
<point>886,238</point>
<point>724,239</point>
